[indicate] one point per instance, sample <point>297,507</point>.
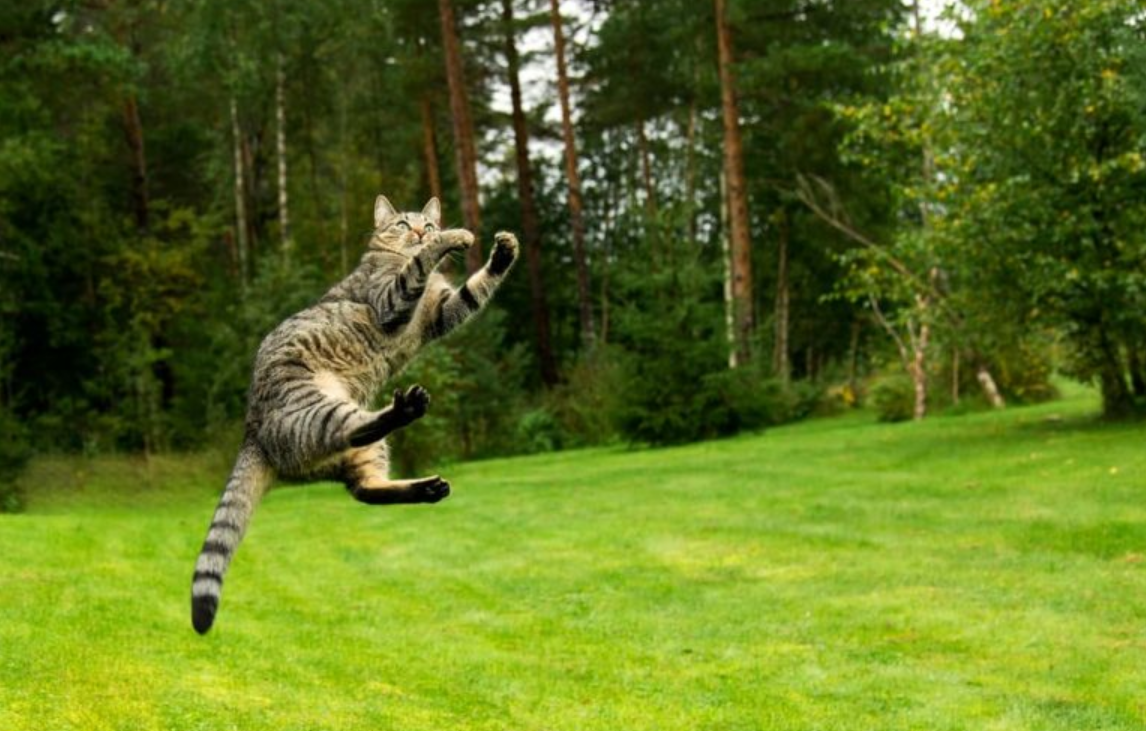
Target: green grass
<point>980,572</point>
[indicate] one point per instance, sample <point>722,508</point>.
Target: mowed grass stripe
<point>976,572</point>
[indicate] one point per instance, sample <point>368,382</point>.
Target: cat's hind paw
<point>433,489</point>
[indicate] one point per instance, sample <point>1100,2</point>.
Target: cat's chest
<point>372,356</point>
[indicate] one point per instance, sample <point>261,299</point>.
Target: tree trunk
<point>1117,399</point>
<point>133,135</point>
<point>955,376</point>
<point>243,243</point>
<point>913,358</point>
<point>133,132</point>
<point>853,362</point>
<point>281,150</point>
<point>646,170</point>
<point>1137,368</point>
<point>1117,402</point>
<point>780,359</point>
<point>249,146</point>
<point>430,147</point>
<point>690,170</point>
<point>607,249</point>
<point>343,203</point>
<point>990,389</point>
<point>737,191</point>
<point>918,371</point>
<point>464,147</point>
<point>726,258</point>
<point>576,219</point>
<point>530,228</point>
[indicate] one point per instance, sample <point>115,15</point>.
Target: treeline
<point>734,212</point>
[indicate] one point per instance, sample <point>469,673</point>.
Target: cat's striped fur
<point>315,375</point>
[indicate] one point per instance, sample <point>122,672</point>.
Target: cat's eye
<point>430,227</point>
<point>403,225</point>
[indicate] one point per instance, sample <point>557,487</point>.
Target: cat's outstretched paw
<point>412,405</point>
<point>505,249</point>
<point>455,239</point>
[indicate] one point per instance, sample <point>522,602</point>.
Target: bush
<point>745,398</point>
<point>1023,372</point>
<point>537,431</point>
<point>588,403</point>
<point>15,452</point>
<point>892,397</point>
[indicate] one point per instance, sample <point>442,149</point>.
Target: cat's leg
<point>453,307</point>
<point>395,301</point>
<point>367,476</point>
<point>405,409</point>
<point>318,423</point>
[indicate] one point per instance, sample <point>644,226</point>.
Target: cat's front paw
<point>505,249</point>
<point>412,405</point>
<point>456,239</point>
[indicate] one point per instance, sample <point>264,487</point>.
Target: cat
<point>315,375</point>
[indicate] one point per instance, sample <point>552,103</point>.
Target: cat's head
<point>403,232</point>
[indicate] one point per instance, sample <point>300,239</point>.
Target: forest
<point>734,213</point>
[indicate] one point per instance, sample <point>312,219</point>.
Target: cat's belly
<point>338,347</point>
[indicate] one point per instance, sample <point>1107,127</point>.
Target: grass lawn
<point>975,572</point>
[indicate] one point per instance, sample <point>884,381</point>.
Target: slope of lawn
<point>975,572</point>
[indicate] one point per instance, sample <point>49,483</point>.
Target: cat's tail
<point>250,478</point>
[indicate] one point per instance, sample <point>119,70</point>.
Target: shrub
<point>537,431</point>
<point>892,397</point>
<point>587,404</point>
<point>744,398</point>
<point>15,452</point>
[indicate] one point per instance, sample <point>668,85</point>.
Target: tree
<point>530,226</point>
<point>464,147</point>
<point>740,242</point>
<point>281,153</point>
<point>573,179</point>
<point>1048,177</point>
<point>907,277</point>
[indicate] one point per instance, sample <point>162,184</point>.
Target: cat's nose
<point>418,230</point>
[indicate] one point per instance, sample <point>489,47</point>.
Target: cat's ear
<point>383,209</point>
<point>433,212</point>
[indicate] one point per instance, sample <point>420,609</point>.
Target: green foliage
<point>669,325</point>
<point>588,403</point>
<point>15,451</point>
<point>1047,177</point>
<point>1023,371</point>
<point>537,431</point>
<point>1008,162</point>
<point>677,385</point>
<point>892,397</point>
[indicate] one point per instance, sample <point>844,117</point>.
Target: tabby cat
<point>315,375</point>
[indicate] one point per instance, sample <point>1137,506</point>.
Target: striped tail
<point>249,480</point>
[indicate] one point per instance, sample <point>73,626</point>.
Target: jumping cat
<point>315,375</point>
